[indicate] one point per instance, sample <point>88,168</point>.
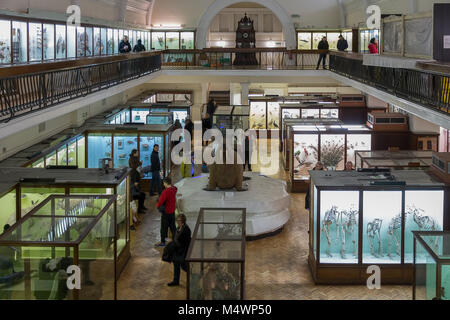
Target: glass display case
<point>158,41</point>
<point>398,160</point>
<point>63,231</point>
<point>360,219</point>
<point>61,43</point>
<point>71,41</point>
<point>232,117</point>
<point>49,41</point>
<point>265,114</point>
<point>161,118</point>
<point>9,205</point>
<point>431,265</point>
<point>216,256</point>
<point>5,41</point>
<point>331,143</point>
<point>19,41</point>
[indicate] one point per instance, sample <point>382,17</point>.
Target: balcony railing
<point>431,89</point>
<point>228,58</point>
<point>27,92</point>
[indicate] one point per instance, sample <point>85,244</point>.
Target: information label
<point>447,42</point>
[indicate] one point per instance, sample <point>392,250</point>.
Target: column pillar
<point>244,95</point>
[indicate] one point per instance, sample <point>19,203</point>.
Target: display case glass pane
<point>38,164</point>
<point>339,218</point>
<point>60,41</point>
<point>97,42</point>
<point>31,197</point>
<point>333,38</point>
<point>122,209</point>
<point>425,274</point>
<point>123,145</point>
<point>139,115</point>
<point>81,42</point>
<point>329,113</point>
<point>99,147</point>
<point>357,142</point>
<point>110,41</point>
<point>50,159</point>
<point>290,113</point>
<point>19,41</point>
<point>103,41</point>
<point>5,41</point>
<point>96,260</point>
<point>71,41</point>
<point>313,232</point>
<point>8,212</point>
<point>132,38</point>
<point>306,147</point>
<point>49,41</point>
<point>158,41</point>
<point>116,41</point>
<point>304,40</point>
<point>273,115</point>
<point>181,115</point>
<point>154,118</point>
<point>147,143</point>
<point>35,41</point>
<point>62,156</point>
<point>91,191</point>
<point>317,37</point>
<point>89,42</point>
<point>258,115</point>
<point>173,40</point>
<point>81,152</point>
<point>445,282</point>
<point>382,231</point>
<point>310,113</point>
<point>145,40</point>
<point>423,212</point>
<point>332,151</point>
<point>187,40</point>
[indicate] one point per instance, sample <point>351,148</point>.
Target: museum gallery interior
<point>116,117</point>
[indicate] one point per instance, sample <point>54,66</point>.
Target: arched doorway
<point>219,5</point>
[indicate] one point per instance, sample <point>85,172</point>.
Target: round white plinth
<point>266,201</point>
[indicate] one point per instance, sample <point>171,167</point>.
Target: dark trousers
<point>141,198</point>
<point>176,272</point>
<point>167,222</point>
<point>323,58</point>
<point>156,182</point>
<point>248,162</point>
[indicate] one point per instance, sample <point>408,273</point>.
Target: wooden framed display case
<point>441,166</point>
<point>216,255</point>
<point>360,219</point>
<point>431,265</point>
<point>34,185</point>
<point>352,108</point>
<point>425,141</point>
<point>265,113</point>
<point>397,160</point>
<point>117,142</point>
<point>284,137</point>
<point>391,122</point>
<point>232,117</point>
<point>333,145</point>
<point>62,231</point>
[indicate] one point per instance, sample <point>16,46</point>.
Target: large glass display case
<point>331,143</point>
<point>398,160</point>
<point>216,256</point>
<point>161,118</point>
<point>265,113</point>
<point>431,265</point>
<point>232,117</point>
<point>63,231</point>
<point>360,219</point>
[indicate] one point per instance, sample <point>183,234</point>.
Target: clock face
<point>245,35</point>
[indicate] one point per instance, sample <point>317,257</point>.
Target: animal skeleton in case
<point>425,223</point>
<point>373,231</point>
<point>394,226</point>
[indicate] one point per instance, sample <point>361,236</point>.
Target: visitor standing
<point>125,46</point>
<point>373,46</point>
<point>167,205</point>
<point>181,240</point>
<point>156,171</point>
<point>342,44</point>
<point>323,45</point>
<point>139,47</point>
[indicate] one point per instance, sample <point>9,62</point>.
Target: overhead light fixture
<point>168,26</point>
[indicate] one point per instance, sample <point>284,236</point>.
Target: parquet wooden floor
<point>276,267</point>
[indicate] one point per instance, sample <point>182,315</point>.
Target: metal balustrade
<point>25,93</point>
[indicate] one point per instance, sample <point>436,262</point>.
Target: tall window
<point>89,42</point>
<point>110,42</point>
<point>116,41</point>
<point>5,41</point>
<point>49,41</point>
<point>81,42</point>
<point>72,39</point>
<point>97,42</point>
<point>187,40</point>
<point>35,41</point>
<point>103,39</point>
<point>60,40</point>
<point>304,40</point>
<point>173,40</point>
<point>158,41</point>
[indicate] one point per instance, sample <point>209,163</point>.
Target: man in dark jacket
<point>182,240</point>
<point>342,44</point>
<point>167,204</point>
<point>156,171</point>
<point>139,47</point>
<point>137,194</point>
<point>125,46</point>
<point>323,45</point>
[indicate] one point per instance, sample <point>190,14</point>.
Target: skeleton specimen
<point>348,226</point>
<point>425,223</point>
<point>328,220</point>
<point>393,230</point>
<point>373,231</point>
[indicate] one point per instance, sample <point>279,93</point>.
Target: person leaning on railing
<point>323,45</point>
<point>125,46</point>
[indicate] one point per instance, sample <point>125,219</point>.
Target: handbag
<point>168,252</point>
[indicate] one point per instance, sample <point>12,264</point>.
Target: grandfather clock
<point>245,39</point>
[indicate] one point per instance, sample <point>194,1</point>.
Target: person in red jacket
<point>373,46</point>
<point>166,205</point>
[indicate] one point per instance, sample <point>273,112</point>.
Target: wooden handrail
<point>29,68</point>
